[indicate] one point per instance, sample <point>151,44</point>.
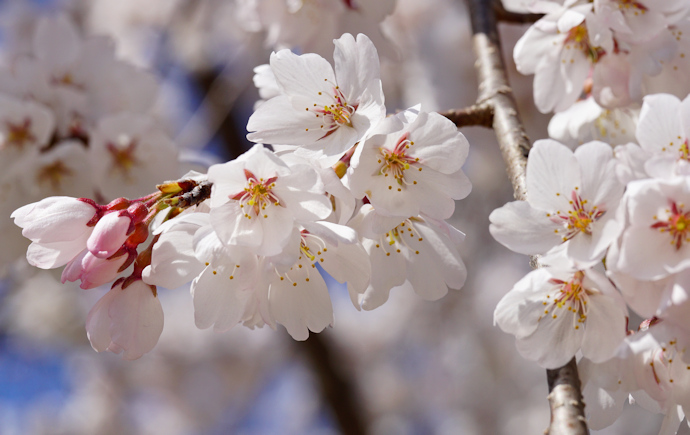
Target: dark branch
<point>567,408</point>
<point>505,16</point>
<point>210,84</point>
<point>477,115</point>
<point>565,399</point>
<point>338,391</point>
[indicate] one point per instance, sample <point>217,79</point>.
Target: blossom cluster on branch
<point>612,228</point>
<point>593,61</point>
<point>345,191</point>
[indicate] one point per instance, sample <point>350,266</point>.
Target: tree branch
<point>567,408</point>
<point>477,115</point>
<point>337,390</point>
<point>565,399</point>
<point>505,16</point>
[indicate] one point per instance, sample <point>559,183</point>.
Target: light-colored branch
<point>567,408</point>
<point>565,398</point>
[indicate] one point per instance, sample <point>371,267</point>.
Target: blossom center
<point>400,238</point>
<point>396,161</point>
<point>627,5</point>
<point>53,174</point>
<point>578,38</point>
<point>18,134</point>
<point>571,295</point>
<point>334,115</point>
<point>579,218</point>
<point>257,195</point>
<point>123,157</point>
<point>677,224</point>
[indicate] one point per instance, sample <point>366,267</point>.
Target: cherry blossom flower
<point>554,313</point>
<point>571,198</point>
<point>655,243</point>
<point>129,152</point>
<point>319,109</point>
<point>586,121</point>
<point>423,249</point>
<point>414,168</point>
<point>128,319</point>
<point>256,199</point>
<point>559,52</point>
<point>662,132</point>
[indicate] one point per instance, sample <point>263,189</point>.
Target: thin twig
<point>505,16</point>
<point>567,409</point>
<point>477,115</point>
<point>337,389</point>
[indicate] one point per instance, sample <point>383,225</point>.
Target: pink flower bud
<point>109,234</point>
<point>91,270</point>
<point>138,211</point>
<point>126,319</point>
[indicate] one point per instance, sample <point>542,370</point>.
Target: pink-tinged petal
<point>173,261</point>
<point>426,279</point>
<point>440,249</point>
<point>303,75</point>
<point>234,228</point>
<point>108,235</point>
<point>552,175</point>
<point>643,297</point>
<point>638,246</point>
<point>385,274</point>
<point>349,263</point>
<point>592,247</point>
<point>276,231</point>
<point>532,47</point>
<point>630,161</point>
<point>356,65</point>
<point>550,89</point>
<point>600,185</point>
<point>333,234</point>
<point>98,321</point>
<point>685,115</point>
<point>602,392</point>
<point>277,121</point>
<point>52,255</point>
<point>553,343</point>
<point>605,328</point>
<point>300,305</point>
<point>98,271</point>
<point>136,320</point>
<point>659,129</point>
<point>54,219</point>
<point>524,229</point>
<point>519,311</point>
<point>305,205</point>
<point>219,300</point>
<point>73,269</point>
<point>437,142</point>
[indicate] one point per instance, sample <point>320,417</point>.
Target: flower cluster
<point>593,61</point>
<point>613,227</point>
<point>76,121</point>
<point>346,192</point>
